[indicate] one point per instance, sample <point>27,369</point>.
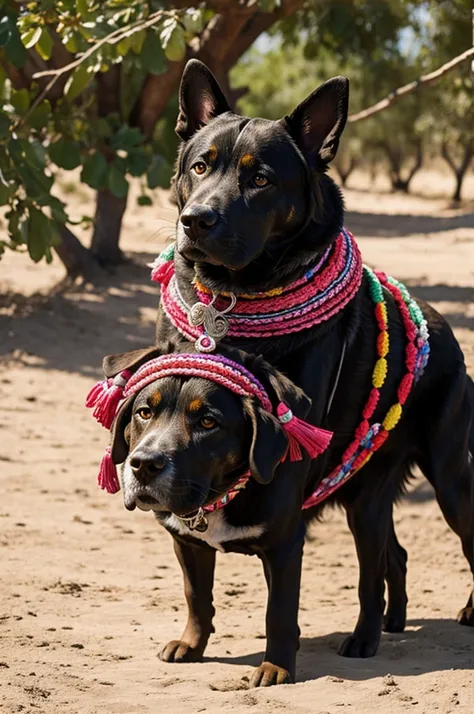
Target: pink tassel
<point>105,397</point>
<point>313,439</point>
<point>108,479</point>
<point>162,272</point>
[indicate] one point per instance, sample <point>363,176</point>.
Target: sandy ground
<point>89,592</point>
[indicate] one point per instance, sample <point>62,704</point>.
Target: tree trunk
<point>459,171</point>
<point>107,224</point>
<point>109,209</point>
<point>345,171</point>
<point>77,259</point>
<point>396,162</point>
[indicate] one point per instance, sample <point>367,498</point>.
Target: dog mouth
<point>144,502</point>
<point>196,255</point>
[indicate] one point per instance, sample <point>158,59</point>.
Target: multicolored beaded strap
<point>105,398</point>
<point>368,438</point>
<point>324,290</point>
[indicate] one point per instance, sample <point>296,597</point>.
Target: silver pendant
<point>214,322</point>
<point>197,522</point>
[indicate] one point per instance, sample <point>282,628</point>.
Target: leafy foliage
<point>44,128</point>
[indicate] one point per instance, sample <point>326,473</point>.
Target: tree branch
<point>411,87</point>
<point>256,25</point>
<point>221,44</point>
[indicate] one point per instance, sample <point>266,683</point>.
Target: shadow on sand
<point>427,646</point>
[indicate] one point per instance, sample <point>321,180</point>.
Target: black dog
<point>256,209</point>
<point>186,441</point>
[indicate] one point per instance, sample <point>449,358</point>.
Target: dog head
<point>185,440</point>
<point>247,187</point>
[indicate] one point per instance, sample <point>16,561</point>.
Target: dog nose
<point>146,468</point>
<point>197,220</point>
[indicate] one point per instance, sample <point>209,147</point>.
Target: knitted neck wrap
<point>323,291</point>
<point>105,398</point>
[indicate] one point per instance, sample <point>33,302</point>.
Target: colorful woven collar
<point>323,291</point>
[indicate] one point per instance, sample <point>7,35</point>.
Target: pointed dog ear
<point>119,432</point>
<point>317,123</point>
<point>200,99</point>
<point>269,442</point>
<point>114,364</point>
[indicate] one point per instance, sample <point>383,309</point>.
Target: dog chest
<point>218,530</point>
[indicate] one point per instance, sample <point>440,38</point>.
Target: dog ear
<point>318,122</point>
<point>200,99</point>
<point>269,442</point>
<point>119,440</point>
<point>278,387</point>
<point>113,364</point>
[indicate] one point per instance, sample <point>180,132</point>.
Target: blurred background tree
<point>92,86</point>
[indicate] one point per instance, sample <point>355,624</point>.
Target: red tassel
<point>162,272</point>
<point>313,439</point>
<point>105,397</point>
<point>108,479</point>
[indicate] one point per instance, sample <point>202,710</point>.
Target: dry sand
<point>89,592</point>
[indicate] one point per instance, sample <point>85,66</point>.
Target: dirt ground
<point>89,592</point>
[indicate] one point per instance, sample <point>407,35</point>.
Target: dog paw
<point>178,651</point>
<point>355,647</point>
<point>466,617</point>
<point>269,674</point>
<point>394,623</point>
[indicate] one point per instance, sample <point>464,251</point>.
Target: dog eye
<point>199,168</point>
<point>144,413</point>
<point>259,180</point>
<point>207,422</point>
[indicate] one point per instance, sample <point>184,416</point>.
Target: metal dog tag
<point>198,522</point>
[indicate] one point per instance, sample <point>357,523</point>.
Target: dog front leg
<point>282,568</point>
<point>198,571</point>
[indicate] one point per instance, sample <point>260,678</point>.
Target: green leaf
<point>95,170</point>
<point>57,210</point>
<point>44,46</point>
<point>160,172</point>
<point>138,38</point>
<point>6,190</point>
<point>20,100</point>
<point>152,57</point>
<point>137,162</point>
<point>144,200</point>
<point>193,21</point>
<point>39,116</point>
<point>267,5</point>
<point>82,8</point>
<point>172,40</point>
<point>5,123</point>
<point>31,37</point>
<point>5,31</point>
<point>77,82</point>
<point>39,230</point>
<point>117,182</point>
<point>72,42</point>
<point>16,53</point>
<point>3,77</point>
<point>65,154</point>
<point>126,138</point>
<point>124,45</point>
